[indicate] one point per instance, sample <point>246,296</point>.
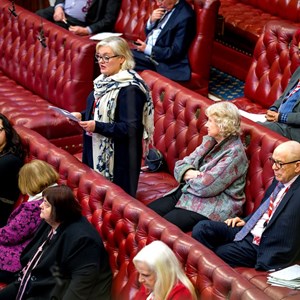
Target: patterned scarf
<point>106,90</point>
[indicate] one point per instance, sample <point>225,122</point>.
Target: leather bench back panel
<point>126,225</point>
<point>286,9</point>
<point>61,72</point>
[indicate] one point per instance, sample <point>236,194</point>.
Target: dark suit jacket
<point>102,14</point>
<point>172,45</point>
<point>280,243</point>
<point>292,127</point>
<point>78,251</point>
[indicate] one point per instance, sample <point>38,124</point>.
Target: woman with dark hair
<point>11,160</point>
<point>66,259</point>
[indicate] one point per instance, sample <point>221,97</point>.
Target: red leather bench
<point>275,59</point>
<point>126,225</point>
<point>132,19</point>
<point>32,77</point>
<point>179,127</point>
<point>243,24</point>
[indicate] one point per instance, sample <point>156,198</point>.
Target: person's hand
<point>235,222</point>
<point>79,30</point>
<point>140,45</point>
<point>88,126</point>
<point>272,116</point>
<point>191,174</point>
<point>77,115</point>
<point>157,14</point>
<point>59,14</point>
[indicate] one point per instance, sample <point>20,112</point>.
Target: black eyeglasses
<point>105,58</point>
<point>279,164</point>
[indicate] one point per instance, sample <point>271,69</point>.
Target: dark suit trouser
<point>142,62</point>
<point>184,219</point>
<point>218,236</point>
<point>47,13</point>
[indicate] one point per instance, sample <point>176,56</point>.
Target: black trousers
<point>184,219</point>
<point>218,236</point>
<point>142,62</point>
<point>47,13</point>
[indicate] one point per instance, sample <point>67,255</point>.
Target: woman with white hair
<point>212,178</point>
<point>118,115</point>
<point>161,275</point>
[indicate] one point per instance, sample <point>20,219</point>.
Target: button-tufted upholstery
<point>243,24</point>
<point>32,77</point>
<point>126,225</point>
<point>275,59</point>
<point>132,19</point>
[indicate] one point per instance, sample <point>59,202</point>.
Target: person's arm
<point>85,262</point>
<point>215,180</point>
<point>191,162</point>
<point>22,224</point>
<point>107,22</point>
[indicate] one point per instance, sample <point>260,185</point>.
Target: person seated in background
<point>212,178</point>
<point>161,274</point>
<point>268,238</point>
<point>66,259</point>
<point>118,115</point>
<point>283,116</point>
<point>170,31</point>
<point>34,177</point>
<point>11,160</point>
<point>83,17</point>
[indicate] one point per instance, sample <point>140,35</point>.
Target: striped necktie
<point>267,205</point>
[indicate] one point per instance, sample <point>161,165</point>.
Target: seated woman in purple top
<point>34,177</point>
<point>212,178</point>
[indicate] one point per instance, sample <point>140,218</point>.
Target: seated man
<point>170,31</point>
<point>268,238</point>
<point>83,17</point>
<point>284,115</point>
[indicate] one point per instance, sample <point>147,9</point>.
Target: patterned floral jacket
<point>18,232</point>
<point>218,192</point>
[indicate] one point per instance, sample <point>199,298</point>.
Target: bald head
<point>290,150</point>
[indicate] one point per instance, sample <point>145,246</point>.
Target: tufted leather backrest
<point>61,72</point>
<point>286,9</point>
<point>126,225</point>
<point>135,13</point>
<point>275,58</point>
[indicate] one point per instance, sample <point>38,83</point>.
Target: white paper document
<point>253,117</point>
<point>65,113</point>
<point>103,35</point>
<point>287,277</point>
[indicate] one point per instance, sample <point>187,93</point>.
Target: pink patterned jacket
<point>20,228</point>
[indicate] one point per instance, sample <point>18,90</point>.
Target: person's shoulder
<point>180,291</point>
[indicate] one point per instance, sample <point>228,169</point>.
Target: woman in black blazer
<point>66,258</point>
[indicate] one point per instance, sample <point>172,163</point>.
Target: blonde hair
<point>227,117</point>
<point>161,260</point>
<point>35,176</point>
<point>120,47</point>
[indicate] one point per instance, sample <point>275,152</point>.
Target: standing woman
<point>34,177</point>
<point>118,115</point>
<point>11,160</point>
